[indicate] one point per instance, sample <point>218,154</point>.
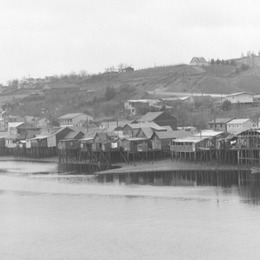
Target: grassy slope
<point>220,79</point>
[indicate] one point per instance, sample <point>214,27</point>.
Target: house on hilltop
<point>198,61</point>
<point>240,97</point>
<point>60,89</point>
<point>128,69</point>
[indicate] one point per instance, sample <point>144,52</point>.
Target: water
<point>63,216</point>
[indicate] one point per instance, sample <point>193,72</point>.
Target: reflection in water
<point>170,215</point>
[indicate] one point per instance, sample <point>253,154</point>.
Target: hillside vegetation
<point>88,93</point>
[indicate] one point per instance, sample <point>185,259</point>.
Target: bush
<point>110,93</point>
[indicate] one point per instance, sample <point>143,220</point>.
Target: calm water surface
<point>58,216</point>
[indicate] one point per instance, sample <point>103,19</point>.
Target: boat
<point>255,170</point>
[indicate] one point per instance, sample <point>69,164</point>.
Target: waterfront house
<point>87,141</point>
<point>73,119</point>
<point>212,135</point>
<point>71,141</point>
<point>131,130</point>
<point>160,118</point>
<point>25,128</point>
<point>239,124</point>
<point>161,140</point>
<point>188,144</point>
<point>49,138</point>
<point>248,139</point>
<point>101,142</point>
<point>134,144</point>
<point>11,141</point>
<point>219,124</point>
<point>42,141</point>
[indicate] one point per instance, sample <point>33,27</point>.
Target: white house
<point>135,106</point>
<point>73,119</point>
<point>239,124</point>
<point>240,97</point>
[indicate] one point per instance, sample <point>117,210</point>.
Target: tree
<point>83,73</point>
<point>226,105</point>
<point>212,62</point>
<point>232,63</point>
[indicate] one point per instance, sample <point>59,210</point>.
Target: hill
<point>77,93</point>
<point>216,79</point>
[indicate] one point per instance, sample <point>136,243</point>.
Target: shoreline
<point>26,159</point>
<point>165,165</point>
<point>148,166</point>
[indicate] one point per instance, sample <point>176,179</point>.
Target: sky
<point>40,38</point>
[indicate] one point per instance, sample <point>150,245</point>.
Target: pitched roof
<point>172,134</point>
<point>136,139</point>
<point>70,115</point>
<point>150,116</point>
<point>46,87</point>
<point>73,135</point>
<point>148,131</point>
<point>27,126</point>
<point>220,121</point>
<point>149,124</point>
<point>208,133</point>
<point>239,93</point>
<point>198,59</point>
<point>15,124</point>
<point>190,139</point>
<point>238,121</point>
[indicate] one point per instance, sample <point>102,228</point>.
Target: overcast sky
<point>47,37</point>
